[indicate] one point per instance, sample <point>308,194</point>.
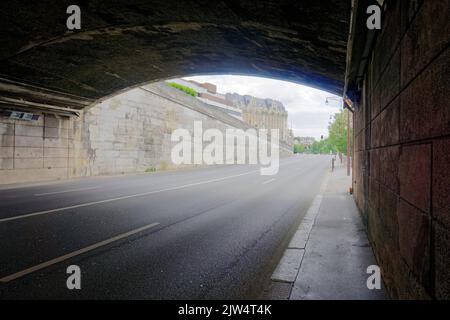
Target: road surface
<point>210,233</point>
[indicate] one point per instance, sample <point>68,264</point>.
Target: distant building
<point>257,112</point>
<point>262,113</point>
<point>307,141</point>
<point>207,93</point>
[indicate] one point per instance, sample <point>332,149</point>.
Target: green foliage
<point>337,136</point>
<point>337,132</point>
<point>322,146</point>
<point>299,148</point>
<point>150,169</point>
<point>187,90</point>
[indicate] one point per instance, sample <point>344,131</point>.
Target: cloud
<point>308,113</point>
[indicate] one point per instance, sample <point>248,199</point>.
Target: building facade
<point>257,112</point>
<point>263,113</point>
<point>307,141</point>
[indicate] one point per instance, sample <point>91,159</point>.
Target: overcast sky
<point>308,113</point>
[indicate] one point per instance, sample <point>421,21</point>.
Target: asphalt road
<point>211,233</point>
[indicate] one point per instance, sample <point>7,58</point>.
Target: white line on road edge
<point>28,215</point>
<point>268,181</point>
<point>75,253</point>
<point>291,261</point>
<point>289,265</point>
<point>64,191</point>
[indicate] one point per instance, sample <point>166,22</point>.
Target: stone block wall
<point>127,133</point>
<point>131,132</point>
<point>402,149</point>
<point>34,150</point>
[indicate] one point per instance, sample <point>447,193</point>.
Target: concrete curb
<point>285,274</point>
<point>289,265</point>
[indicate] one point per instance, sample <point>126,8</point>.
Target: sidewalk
<point>328,256</point>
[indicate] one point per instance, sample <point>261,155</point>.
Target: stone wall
<point>402,143</point>
<point>32,151</point>
<point>128,133</point>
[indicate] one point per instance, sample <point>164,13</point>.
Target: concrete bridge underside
<point>126,43</point>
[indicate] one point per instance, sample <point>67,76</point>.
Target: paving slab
<point>337,253</point>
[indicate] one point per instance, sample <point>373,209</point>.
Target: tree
<point>299,148</point>
<point>337,132</point>
<point>322,146</point>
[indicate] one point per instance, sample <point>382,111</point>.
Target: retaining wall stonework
<point>128,133</point>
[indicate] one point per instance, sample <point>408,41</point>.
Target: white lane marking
<point>64,191</point>
<point>75,253</point>
<point>28,215</point>
<point>268,181</point>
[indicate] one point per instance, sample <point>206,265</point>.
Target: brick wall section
<point>402,149</point>
<point>210,87</point>
<point>216,99</point>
